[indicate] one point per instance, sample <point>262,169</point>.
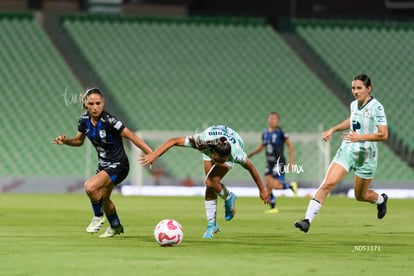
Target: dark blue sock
<point>272,201</point>
<point>286,185</point>
<point>114,220</point>
<point>97,207</point>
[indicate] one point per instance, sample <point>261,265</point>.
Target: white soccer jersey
<point>214,132</point>
<point>364,120</point>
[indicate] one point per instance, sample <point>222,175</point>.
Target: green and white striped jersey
<point>213,133</point>
<point>365,120</point>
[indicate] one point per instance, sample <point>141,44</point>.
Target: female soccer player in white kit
<point>366,126</point>
<point>221,147</point>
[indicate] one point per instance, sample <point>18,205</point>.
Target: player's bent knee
<point>89,188</point>
<point>359,197</point>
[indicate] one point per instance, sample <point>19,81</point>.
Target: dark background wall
<point>274,10</point>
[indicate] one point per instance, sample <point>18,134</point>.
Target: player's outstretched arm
<point>289,143</point>
<point>148,159</point>
<point>126,133</point>
<point>256,177</point>
<point>256,150</point>
<point>326,135</point>
<point>76,141</point>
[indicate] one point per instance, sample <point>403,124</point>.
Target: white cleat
<point>110,232</point>
<point>95,224</point>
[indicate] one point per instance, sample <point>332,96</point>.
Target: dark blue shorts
<point>117,171</point>
<point>276,170</point>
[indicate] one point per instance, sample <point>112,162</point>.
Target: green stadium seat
<point>170,75</point>
<point>33,78</point>
<point>381,50</point>
<point>183,76</point>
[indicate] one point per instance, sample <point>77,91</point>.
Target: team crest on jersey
<point>102,133</point>
<point>118,125</point>
<point>366,113</point>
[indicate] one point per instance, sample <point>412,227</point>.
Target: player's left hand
<point>147,159</point>
<point>351,136</point>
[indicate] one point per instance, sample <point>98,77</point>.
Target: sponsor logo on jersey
<point>102,133</point>
<point>215,133</point>
<point>118,125</point>
<point>355,125</point>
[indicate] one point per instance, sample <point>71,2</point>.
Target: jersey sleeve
<point>240,157</point>
<point>284,135</point>
<point>116,124</point>
<point>187,141</point>
<point>82,123</point>
<point>380,118</point>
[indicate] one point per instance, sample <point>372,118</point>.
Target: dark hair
<point>275,113</point>
<point>222,148</point>
<point>364,78</point>
<point>90,91</point>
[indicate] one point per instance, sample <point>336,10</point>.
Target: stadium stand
<point>178,74</point>
<point>381,49</point>
<point>165,74</point>
<point>33,81</point>
<point>196,67</point>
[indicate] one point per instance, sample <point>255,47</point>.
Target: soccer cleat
<point>272,211</point>
<point>110,232</point>
<point>303,225</point>
<point>211,230</point>
<point>294,188</point>
<point>230,207</point>
<point>382,208</point>
<point>95,224</point>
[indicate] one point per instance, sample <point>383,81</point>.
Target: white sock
<point>313,209</point>
<point>379,200</point>
<point>211,210</point>
<point>224,193</point>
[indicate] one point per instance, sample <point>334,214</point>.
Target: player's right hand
<point>60,140</point>
<point>264,195</point>
<point>326,135</point>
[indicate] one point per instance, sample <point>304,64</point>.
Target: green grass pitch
<point>45,235</point>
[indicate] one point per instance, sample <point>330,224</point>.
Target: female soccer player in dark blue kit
<point>273,141</point>
<point>105,132</point>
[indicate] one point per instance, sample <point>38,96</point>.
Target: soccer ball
<point>168,232</point>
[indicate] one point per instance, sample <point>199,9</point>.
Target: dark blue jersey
<point>274,142</point>
<point>105,137</point>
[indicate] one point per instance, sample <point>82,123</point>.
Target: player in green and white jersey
<point>366,126</point>
<point>211,136</point>
<point>222,147</point>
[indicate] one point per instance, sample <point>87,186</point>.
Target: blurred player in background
<point>366,126</point>
<point>105,132</point>
<point>222,147</point>
<point>273,140</point>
